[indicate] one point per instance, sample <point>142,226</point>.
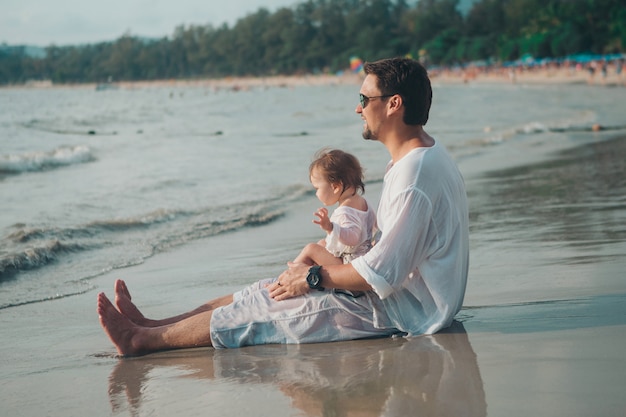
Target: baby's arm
<point>323,220</point>
<point>346,229</point>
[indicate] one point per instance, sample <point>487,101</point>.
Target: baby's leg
<point>315,254</point>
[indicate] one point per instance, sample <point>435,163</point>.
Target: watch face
<point>313,278</point>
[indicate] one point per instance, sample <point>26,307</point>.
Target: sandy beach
<point>547,74</point>
<point>544,74</point>
<point>553,346</point>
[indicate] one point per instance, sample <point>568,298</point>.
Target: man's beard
<point>368,134</point>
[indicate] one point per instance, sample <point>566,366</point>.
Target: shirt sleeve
<point>347,230</point>
<point>407,235</point>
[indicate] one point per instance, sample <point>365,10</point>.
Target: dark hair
<point>339,167</point>
<point>409,79</point>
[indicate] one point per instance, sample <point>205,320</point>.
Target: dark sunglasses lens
<point>363,100</point>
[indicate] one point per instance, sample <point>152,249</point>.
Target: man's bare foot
<point>126,306</point>
<point>120,329</point>
<point>122,289</point>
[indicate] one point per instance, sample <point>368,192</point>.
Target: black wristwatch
<point>314,278</point>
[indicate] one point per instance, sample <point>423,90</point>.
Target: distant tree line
<point>322,35</point>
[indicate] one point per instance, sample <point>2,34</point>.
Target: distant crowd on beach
<point>598,71</point>
<point>593,71</point>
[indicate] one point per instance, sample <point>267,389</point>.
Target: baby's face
<point>326,192</point>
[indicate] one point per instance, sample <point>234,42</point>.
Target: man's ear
<point>394,104</point>
<point>396,101</point>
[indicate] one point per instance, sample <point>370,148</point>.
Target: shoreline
<point>225,83</point>
<point>469,75</point>
<point>541,75</point>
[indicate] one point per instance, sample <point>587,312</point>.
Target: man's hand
<point>323,220</point>
<point>290,283</point>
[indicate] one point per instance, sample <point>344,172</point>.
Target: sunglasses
<point>364,100</point>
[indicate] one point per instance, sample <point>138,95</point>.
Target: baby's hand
<point>323,220</point>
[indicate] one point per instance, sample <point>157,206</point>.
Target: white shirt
<point>352,232</point>
<point>418,268</point>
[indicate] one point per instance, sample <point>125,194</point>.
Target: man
<point>413,279</point>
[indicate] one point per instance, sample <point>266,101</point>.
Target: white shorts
<point>254,318</point>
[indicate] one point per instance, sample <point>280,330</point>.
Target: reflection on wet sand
<point>430,375</point>
<point>576,199</point>
<point>550,230</point>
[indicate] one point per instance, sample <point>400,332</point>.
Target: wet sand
<point>546,340</point>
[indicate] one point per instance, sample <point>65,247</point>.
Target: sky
<point>75,22</point>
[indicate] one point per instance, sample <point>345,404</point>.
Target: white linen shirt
<point>419,266</point>
<point>352,232</point>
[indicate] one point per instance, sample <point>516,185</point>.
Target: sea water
<point>93,181</point>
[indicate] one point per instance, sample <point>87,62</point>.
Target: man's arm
<point>292,282</point>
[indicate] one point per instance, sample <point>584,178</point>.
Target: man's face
<point>371,108</point>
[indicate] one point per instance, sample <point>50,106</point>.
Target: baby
<point>337,177</point>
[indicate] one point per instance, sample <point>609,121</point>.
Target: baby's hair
<point>339,167</point>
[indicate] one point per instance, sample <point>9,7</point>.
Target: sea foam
<point>41,160</point>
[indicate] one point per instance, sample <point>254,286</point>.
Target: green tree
<point>437,27</point>
<point>321,35</point>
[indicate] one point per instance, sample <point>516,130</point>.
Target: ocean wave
<point>32,257</point>
<point>140,221</point>
<point>52,126</point>
<point>39,161</point>
<point>48,298</point>
<point>120,242</point>
<point>582,122</point>
<point>477,142</point>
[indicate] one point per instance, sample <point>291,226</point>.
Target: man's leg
<point>132,339</point>
<point>124,303</point>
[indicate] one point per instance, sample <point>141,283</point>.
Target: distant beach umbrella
<point>356,64</point>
